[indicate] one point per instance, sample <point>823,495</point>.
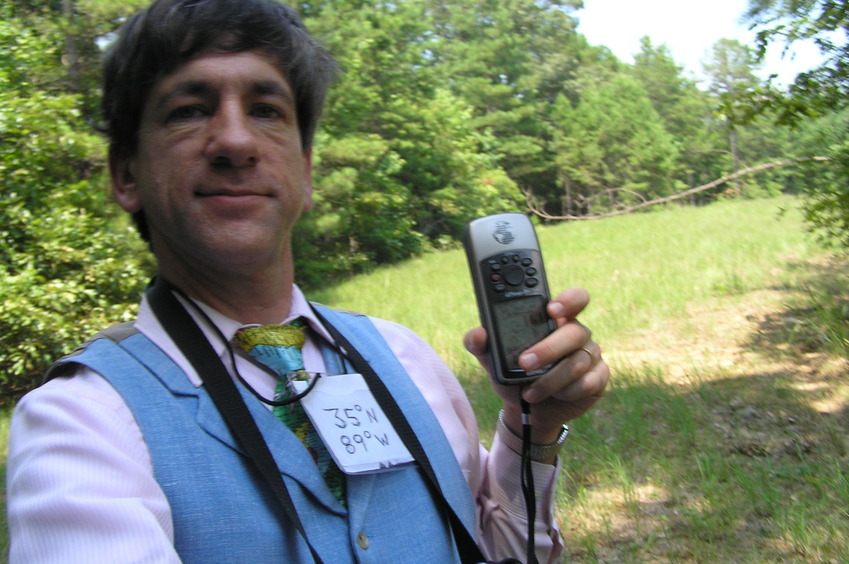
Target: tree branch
<point>534,207</point>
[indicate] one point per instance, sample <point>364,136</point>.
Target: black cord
<point>528,488</point>
<point>295,397</point>
<point>464,538</point>
<point>187,335</point>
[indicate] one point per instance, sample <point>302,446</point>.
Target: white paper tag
<point>352,425</point>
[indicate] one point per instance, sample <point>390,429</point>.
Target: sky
<point>688,28</point>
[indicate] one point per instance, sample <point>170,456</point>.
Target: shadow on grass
<point>815,323</point>
<point>726,468</point>
<point>741,470</point>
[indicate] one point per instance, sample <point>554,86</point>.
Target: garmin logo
<point>517,294</point>
<point>502,233</point>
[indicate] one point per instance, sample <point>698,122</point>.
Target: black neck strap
<point>466,545</point>
<point>221,387</point>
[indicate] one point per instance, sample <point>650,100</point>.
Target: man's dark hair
<point>169,33</point>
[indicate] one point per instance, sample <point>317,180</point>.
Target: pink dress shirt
<point>80,485</point>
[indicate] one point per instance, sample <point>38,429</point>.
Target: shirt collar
<point>149,325</point>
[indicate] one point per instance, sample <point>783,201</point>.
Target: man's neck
<point>251,298</point>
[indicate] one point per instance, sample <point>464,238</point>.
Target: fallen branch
<point>535,209</point>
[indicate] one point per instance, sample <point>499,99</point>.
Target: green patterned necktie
<point>278,347</point>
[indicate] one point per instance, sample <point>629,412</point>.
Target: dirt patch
<point>727,338</point>
<point>771,391</point>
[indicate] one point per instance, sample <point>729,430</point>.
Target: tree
<point>68,264</point>
<point>509,60</point>
<point>736,88</point>
<point>686,111</point>
<point>398,168</point>
<point>826,23</point>
<point>822,91</point>
<point>827,204</point>
<point>612,147</point>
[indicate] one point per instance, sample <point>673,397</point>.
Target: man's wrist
<point>538,452</point>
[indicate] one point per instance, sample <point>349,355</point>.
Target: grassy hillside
<point>722,438</point>
<point>641,271</point>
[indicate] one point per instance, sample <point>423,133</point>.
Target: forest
<point>445,110</point>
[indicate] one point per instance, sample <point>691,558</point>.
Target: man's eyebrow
<point>273,88</point>
<point>188,88</point>
<point>200,88</point>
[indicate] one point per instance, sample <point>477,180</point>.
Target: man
<point>210,107</point>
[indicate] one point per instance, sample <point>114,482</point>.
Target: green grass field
<point>641,270</point>
<point>722,436</point>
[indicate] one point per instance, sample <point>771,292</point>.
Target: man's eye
<point>267,112</point>
<point>185,112</point>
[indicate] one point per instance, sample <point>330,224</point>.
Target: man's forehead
<point>254,71</point>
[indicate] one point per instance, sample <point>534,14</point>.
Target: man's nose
<point>231,139</point>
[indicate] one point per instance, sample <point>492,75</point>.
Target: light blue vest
<point>223,512</point>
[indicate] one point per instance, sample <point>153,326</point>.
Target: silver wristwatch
<point>538,452</point>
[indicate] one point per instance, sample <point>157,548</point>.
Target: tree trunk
<point>71,59</point>
<point>735,160</point>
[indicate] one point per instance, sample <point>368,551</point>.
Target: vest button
<point>362,540</point>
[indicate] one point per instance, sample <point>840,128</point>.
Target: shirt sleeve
<point>494,476</point>
<point>80,485</point>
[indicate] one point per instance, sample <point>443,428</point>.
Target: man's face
<point>219,170</point>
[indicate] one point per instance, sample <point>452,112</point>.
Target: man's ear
<point>124,187</point>
<point>308,179</point>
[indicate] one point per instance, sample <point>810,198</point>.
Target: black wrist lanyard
<point>194,345</point>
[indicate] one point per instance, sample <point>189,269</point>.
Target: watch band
<point>539,453</point>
